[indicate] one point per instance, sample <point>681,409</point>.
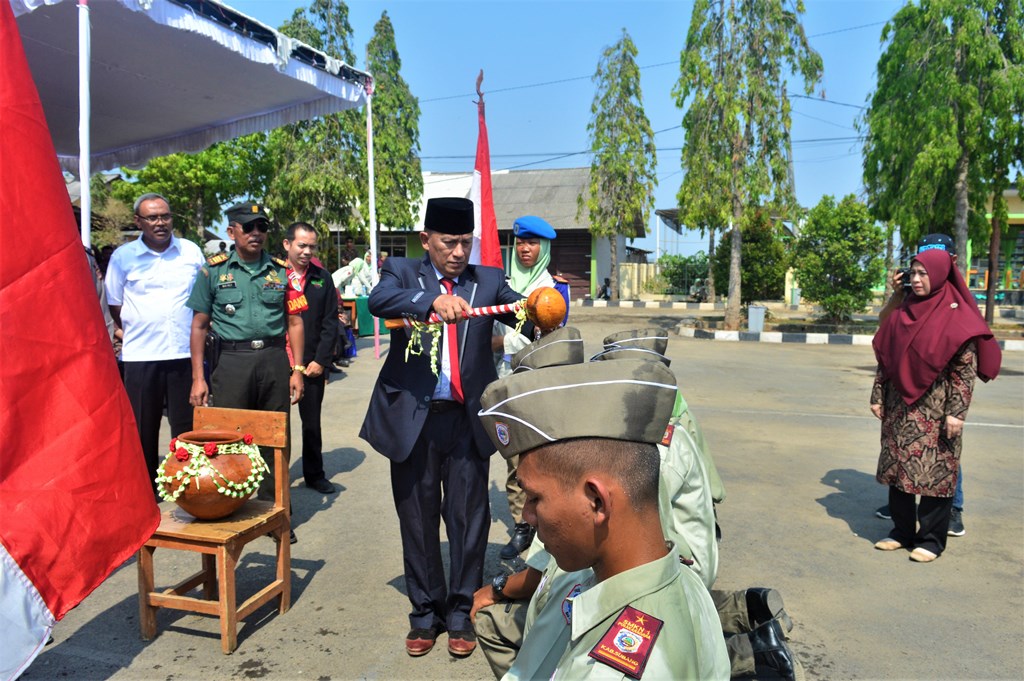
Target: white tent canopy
<point>173,75</point>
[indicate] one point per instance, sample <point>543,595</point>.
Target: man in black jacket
<point>311,292</point>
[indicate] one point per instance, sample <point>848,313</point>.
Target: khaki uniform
<point>579,631</point>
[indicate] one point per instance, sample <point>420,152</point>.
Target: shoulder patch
<point>217,259</point>
<point>627,645</point>
<point>278,261</point>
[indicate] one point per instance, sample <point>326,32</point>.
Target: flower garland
<point>422,329</point>
<point>197,463</point>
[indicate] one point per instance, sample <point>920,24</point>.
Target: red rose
<point>181,454</point>
<point>247,439</point>
<point>174,443</point>
<point>210,448</point>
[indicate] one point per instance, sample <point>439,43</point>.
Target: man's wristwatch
<point>498,585</point>
<point>299,367</point>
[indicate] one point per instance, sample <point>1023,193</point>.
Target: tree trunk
<point>993,266</point>
<point>613,252</point>
<point>709,282</point>
<point>732,308</point>
<point>198,236</point>
<point>960,216</point>
<point>889,248</point>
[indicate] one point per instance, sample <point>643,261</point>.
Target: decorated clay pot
<point>546,308</point>
<point>210,473</point>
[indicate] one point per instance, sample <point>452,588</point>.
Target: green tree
<point>944,123</point>
<point>398,178</point>
<point>620,192</point>
<point>680,271</point>
<point>839,256</point>
<point>318,167</point>
<point>197,185</point>
<point>732,85</point>
<point>763,257</point>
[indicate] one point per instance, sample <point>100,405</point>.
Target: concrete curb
<point>808,338</point>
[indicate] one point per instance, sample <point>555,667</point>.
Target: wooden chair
<point>221,541</point>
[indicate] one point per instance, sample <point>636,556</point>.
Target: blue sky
<point>538,57</point>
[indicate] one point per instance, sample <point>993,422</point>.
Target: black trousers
<point>254,379</point>
<point>932,514</point>
<point>444,477</point>
<point>312,439</point>
<point>151,385</point>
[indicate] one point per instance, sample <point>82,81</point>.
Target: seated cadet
<point>591,481</point>
<point>689,482</point>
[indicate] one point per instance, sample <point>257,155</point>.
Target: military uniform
<point>246,305</point>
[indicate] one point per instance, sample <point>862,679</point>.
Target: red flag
<point>75,499</point>
<point>486,249</point>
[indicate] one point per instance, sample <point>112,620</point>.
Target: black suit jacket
<point>401,397</point>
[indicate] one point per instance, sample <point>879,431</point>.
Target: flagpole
<point>372,209</point>
<point>84,110</point>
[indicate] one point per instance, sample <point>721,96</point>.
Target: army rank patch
<point>217,259</point>
<point>627,645</point>
<point>279,261</point>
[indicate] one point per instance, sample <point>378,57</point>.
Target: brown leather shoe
<point>420,641</point>
<point>461,643</point>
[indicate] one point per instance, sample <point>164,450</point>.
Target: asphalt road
<point>796,446</point>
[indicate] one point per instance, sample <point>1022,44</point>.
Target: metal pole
<point>373,215</point>
<point>84,107</point>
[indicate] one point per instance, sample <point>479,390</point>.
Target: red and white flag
<point>486,249</point>
<point>75,498</point>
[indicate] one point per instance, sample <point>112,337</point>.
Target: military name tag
<point>226,284</point>
<point>627,645</point>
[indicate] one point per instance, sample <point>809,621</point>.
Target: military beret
<point>449,215</point>
<point>628,400</point>
<point>560,347</point>
<point>648,344</point>
<point>245,212</point>
<point>531,226</point>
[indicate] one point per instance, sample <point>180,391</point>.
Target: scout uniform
<point>655,620</point>
<point>246,305</point>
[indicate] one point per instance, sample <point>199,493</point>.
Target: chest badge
<point>627,645</point>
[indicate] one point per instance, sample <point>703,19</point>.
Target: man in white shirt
<point>148,281</point>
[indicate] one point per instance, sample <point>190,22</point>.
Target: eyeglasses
<point>154,219</point>
<point>261,225</point>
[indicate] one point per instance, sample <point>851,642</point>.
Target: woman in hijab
<point>929,352</point>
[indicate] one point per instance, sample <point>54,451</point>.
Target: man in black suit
<point>311,293</point>
<point>427,423</point>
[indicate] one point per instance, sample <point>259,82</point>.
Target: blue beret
<point>531,226</point>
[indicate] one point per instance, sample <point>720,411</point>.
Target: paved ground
<point>796,447</point>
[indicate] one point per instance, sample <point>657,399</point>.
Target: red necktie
<point>451,343</point>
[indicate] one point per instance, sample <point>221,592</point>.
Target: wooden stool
<point>221,541</point>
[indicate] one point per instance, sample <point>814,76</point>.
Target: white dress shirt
<point>152,287</point>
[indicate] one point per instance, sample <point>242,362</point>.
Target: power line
<point>850,28</point>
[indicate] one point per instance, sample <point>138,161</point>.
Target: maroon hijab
<point>917,341</point>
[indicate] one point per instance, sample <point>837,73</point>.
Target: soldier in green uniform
<point>591,479</point>
<point>242,294</point>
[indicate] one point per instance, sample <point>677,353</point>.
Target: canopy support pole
<point>374,276</point>
<point>84,110</point>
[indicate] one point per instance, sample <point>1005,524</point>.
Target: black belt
<point>251,345</point>
<point>442,406</point>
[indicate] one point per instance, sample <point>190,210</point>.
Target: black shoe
<point>292,539</point>
<point>522,537</point>
<point>956,523</point>
<point>323,486</point>
<point>770,650</point>
<point>883,513</point>
<point>765,605</point>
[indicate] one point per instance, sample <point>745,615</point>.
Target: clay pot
<point>201,497</point>
<point>546,308</point>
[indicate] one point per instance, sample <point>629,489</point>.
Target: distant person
<point>349,253</point>
<point>927,242</point>
<point>312,295</point>
<point>222,247</point>
<point>148,283</point>
<point>605,292</point>
<point>381,259</point>
<point>929,352</point>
